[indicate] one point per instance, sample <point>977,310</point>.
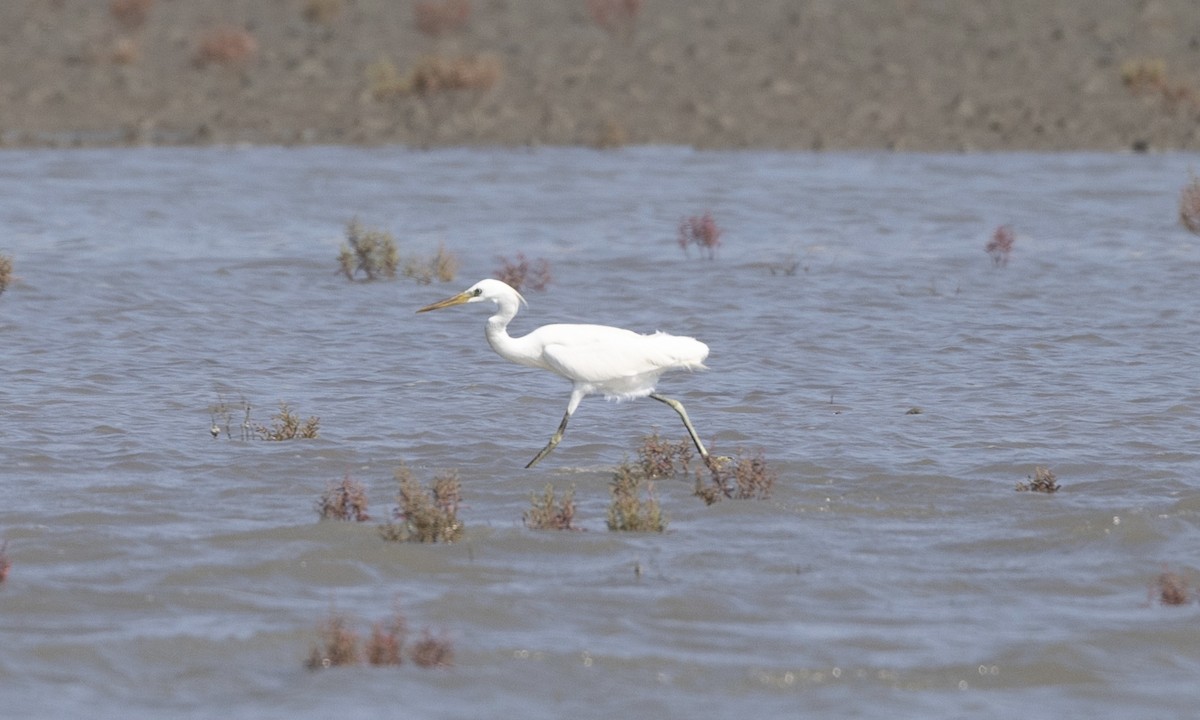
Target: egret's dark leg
<point>562,427</point>
<point>678,407</point>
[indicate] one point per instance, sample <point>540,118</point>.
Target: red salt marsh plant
<point>441,17</point>
<point>742,477</point>
<point>618,17</point>
<point>659,457</point>
<point>1043,481</point>
<point>225,45</point>
<point>338,644</point>
<point>1000,246</point>
<point>1172,589</point>
<point>523,273</point>
<point>1189,205</point>
<point>701,231</point>
<point>346,500</point>
<point>427,515</point>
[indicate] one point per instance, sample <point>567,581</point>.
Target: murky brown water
<point>894,573</point>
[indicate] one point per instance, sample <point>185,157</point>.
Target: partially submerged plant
<point>550,513</point>
<point>628,511</point>
<point>346,500</point>
<point>222,419</point>
<point>439,17</point>
<point>742,477</point>
<point>369,251</point>
<point>432,650</point>
<point>386,644</point>
<point>5,563</point>
<point>6,266</point>
<point>701,231</point>
<point>1043,481</point>
<point>1189,210</point>
<point>286,425</point>
<point>425,515</point>
<point>1001,245</point>
<point>441,266</point>
<point>337,644</point>
<point>661,458</point>
<point>1172,589</point>
<point>522,272</point>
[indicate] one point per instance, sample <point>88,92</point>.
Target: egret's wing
<point>599,354</point>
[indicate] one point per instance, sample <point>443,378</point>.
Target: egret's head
<point>495,290</point>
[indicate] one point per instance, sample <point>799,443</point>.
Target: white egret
<point>597,359</point>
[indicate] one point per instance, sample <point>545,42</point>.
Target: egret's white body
<point>598,359</point>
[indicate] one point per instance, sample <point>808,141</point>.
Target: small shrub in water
<point>371,252</point>
<point>337,644</point>
<point>521,272</point>
<point>441,17</point>
<point>661,458</point>
<point>1043,481</point>
<point>1189,210</point>
<point>441,267</point>
<point>386,644</point>
<point>432,650</point>
<point>287,425</point>
<point>738,478</point>
<point>6,266</point>
<point>1001,245</point>
<point>1172,589</point>
<point>5,563</point>
<point>628,511</point>
<point>548,513</point>
<point>346,500</point>
<point>425,515</point>
<point>701,231</point>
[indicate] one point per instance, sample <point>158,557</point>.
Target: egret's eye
<point>478,292</point>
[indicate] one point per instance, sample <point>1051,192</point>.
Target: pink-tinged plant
<point>1189,205</point>
<point>346,500</point>
<point>225,45</point>
<point>5,563</point>
<point>521,273</point>
<point>701,231</point>
<point>1001,245</point>
<point>1172,589</point>
<point>440,18</point>
<point>615,16</point>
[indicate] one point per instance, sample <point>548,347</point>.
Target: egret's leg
<point>562,427</point>
<point>678,407</point>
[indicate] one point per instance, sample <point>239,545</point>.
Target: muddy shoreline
<point>912,75</point>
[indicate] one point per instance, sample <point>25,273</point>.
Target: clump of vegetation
<point>1001,245</point>
<point>1189,211</point>
<point>617,17</point>
<point>432,650</point>
<point>369,251</point>
<point>522,273</point>
<point>442,17</point>
<point>339,644</point>
<point>612,134</point>
<point>222,412</point>
<point>322,12</point>
<point>550,513</point>
<point>441,267</point>
<point>6,266</point>
<point>628,511</point>
<point>425,515</point>
<point>5,563</point>
<point>345,500</point>
<point>1148,76</point>
<point>701,231</point>
<point>1043,481</point>
<point>286,425</point>
<point>741,477</point>
<point>1172,589</point>
<point>433,74</point>
<point>659,457</point>
<point>225,45</point>
<point>130,14</point>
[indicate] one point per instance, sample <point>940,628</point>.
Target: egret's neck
<point>505,345</point>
